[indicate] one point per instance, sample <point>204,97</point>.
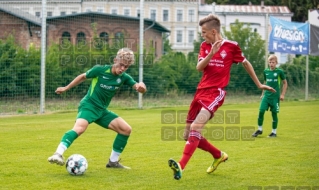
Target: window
<point>138,12</point>
<point>153,14</point>
<point>63,13</point>
<point>127,12</point>
<point>114,11</point>
<point>65,40</point>
<point>80,37</point>
<point>73,12</point>
<point>165,15</point>
<point>66,36</point>
<point>37,14</point>
<point>100,9</point>
<point>89,9</point>
<point>49,13</point>
<point>191,36</point>
<point>191,15</point>
<point>119,35</point>
<point>104,36</point>
<point>179,15</point>
<point>179,36</point>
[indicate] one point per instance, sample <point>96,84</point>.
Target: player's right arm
<point>77,80</point>
<point>202,63</point>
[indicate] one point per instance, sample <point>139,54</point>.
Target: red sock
<point>190,147</point>
<point>205,145</point>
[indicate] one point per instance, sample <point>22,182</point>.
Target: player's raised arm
<point>77,80</point>
<point>250,70</point>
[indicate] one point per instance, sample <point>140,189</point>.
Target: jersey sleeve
<point>129,80</point>
<point>238,55</point>
<point>93,72</point>
<point>202,49</point>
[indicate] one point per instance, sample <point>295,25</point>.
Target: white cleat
<point>56,159</point>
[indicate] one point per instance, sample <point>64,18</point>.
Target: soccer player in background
<point>215,59</point>
<point>274,77</point>
<point>106,80</point>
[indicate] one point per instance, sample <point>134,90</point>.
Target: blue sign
<point>288,37</point>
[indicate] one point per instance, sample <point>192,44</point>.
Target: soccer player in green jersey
<point>275,78</point>
<point>106,80</point>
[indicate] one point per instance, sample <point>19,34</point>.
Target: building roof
<point>150,22</point>
<point>20,14</point>
<point>245,9</point>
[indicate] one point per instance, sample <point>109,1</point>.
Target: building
<point>83,26</point>
<point>179,17</point>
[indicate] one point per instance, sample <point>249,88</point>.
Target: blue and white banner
<point>288,37</point>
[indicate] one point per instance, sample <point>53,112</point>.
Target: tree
<point>254,50</point>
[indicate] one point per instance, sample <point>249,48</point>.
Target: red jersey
<point>217,72</point>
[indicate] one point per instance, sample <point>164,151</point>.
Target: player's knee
<point>127,130</point>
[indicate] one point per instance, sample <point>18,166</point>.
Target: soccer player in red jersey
<point>216,56</point>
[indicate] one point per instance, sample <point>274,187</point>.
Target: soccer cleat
<point>56,158</point>
<point>258,132</point>
<point>116,165</point>
<point>176,167</point>
<point>216,162</point>
<point>272,135</point>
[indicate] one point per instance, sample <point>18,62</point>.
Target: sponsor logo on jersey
<point>107,87</point>
<point>217,63</point>
<point>223,54</point>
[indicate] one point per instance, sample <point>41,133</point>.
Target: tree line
<point>173,74</point>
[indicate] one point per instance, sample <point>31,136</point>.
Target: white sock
<point>61,149</point>
<point>260,128</point>
<point>114,156</point>
<point>274,131</point>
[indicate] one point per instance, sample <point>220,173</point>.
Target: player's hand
<point>60,90</point>
<point>282,97</point>
<point>215,47</point>
<point>140,87</point>
<point>265,87</point>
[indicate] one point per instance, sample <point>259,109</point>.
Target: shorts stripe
<point>217,99</point>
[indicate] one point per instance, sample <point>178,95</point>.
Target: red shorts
<point>209,98</point>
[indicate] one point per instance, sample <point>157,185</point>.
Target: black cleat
<point>258,132</point>
<point>272,135</point>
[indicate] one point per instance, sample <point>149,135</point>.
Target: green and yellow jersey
<point>273,78</point>
<point>104,85</point>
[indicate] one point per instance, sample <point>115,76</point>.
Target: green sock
<point>68,138</point>
<point>274,120</point>
<point>261,118</point>
<point>120,143</point>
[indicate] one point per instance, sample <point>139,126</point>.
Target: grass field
<point>291,159</point>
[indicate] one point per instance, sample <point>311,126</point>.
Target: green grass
<point>291,159</point>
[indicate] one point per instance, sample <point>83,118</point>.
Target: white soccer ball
<point>76,164</point>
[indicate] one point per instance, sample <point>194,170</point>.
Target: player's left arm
<point>250,70</point>
<point>284,89</point>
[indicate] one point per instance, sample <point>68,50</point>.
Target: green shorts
<point>272,103</point>
<point>102,117</point>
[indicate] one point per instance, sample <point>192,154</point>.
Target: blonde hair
<point>273,57</point>
<point>211,21</point>
<point>126,54</point>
